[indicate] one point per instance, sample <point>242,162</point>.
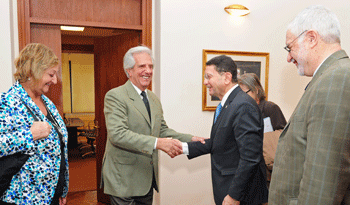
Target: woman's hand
<point>40,130</point>
<point>63,201</point>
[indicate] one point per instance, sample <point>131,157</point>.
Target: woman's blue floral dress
<point>35,183</point>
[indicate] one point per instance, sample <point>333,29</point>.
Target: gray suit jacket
<point>130,158</point>
<point>312,164</point>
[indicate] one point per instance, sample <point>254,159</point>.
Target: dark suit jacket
<point>235,146</point>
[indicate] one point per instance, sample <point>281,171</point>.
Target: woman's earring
<point>28,78</point>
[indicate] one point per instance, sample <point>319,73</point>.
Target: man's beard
<point>302,54</point>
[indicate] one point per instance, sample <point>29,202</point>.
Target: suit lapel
<point>138,103</point>
<point>223,110</point>
<point>153,108</point>
<point>325,65</point>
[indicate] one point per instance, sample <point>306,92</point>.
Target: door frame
<point>24,21</point>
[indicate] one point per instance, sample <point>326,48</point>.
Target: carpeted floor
<point>82,172</point>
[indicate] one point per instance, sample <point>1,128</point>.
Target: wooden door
<point>118,14</point>
<point>50,35</point>
<point>109,73</point>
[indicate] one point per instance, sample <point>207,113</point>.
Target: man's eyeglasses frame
<point>287,46</point>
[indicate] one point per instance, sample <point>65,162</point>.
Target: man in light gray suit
<point>312,163</point>
<point>135,129</point>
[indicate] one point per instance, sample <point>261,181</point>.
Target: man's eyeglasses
<point>247,91</point>
<point>287,46</point>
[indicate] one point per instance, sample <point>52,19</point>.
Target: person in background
<point>274,119</point>
<point>250,83</point>
<point>312,164</point>
<point>43,179</point>
<point>236,140</point>
<point>135,130</point>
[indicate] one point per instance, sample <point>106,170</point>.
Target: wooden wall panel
<point>106,11</point>
<point>50,35</point>
<point>23,23</point>
<point>147,23</point>
<point>77,40</point>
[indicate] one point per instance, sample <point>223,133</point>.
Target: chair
<point>90,132</point>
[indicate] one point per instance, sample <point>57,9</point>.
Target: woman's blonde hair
<point>33,60</point>
<point>252,81</point>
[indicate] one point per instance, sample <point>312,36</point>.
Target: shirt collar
<point>138,89</point>
<point>228,94</point>
<point>320,65</point>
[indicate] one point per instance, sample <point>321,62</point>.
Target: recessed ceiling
<point>94,32</point>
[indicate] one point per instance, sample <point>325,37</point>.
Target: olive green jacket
<point>130,158</point>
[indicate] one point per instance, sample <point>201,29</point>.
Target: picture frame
<point>247,62</point>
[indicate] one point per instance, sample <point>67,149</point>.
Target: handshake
<point>173,147</point>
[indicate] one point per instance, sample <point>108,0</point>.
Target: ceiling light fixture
<point>72,28</point>
<point>237,10</point>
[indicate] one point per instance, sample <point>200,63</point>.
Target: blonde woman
<point>43,179</point>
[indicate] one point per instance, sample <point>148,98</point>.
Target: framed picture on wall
<point>247,62</point>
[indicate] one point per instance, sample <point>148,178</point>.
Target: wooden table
<point>72,125</point>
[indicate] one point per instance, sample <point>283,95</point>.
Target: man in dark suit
<point>236,142</point>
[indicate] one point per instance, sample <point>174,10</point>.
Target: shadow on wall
<point>293,85</point>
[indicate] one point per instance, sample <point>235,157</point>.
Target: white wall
<point>8,42</point>
<point>186,28</point>
<point>183,29</point>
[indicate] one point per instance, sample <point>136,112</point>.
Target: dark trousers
<point>55,200</point>
<point>243,203</point>
<point>136,200</point>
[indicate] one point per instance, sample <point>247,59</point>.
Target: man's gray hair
<point>320,19</point>
<point>129,61</point>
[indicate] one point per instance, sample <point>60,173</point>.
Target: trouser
<point>136,200</point>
